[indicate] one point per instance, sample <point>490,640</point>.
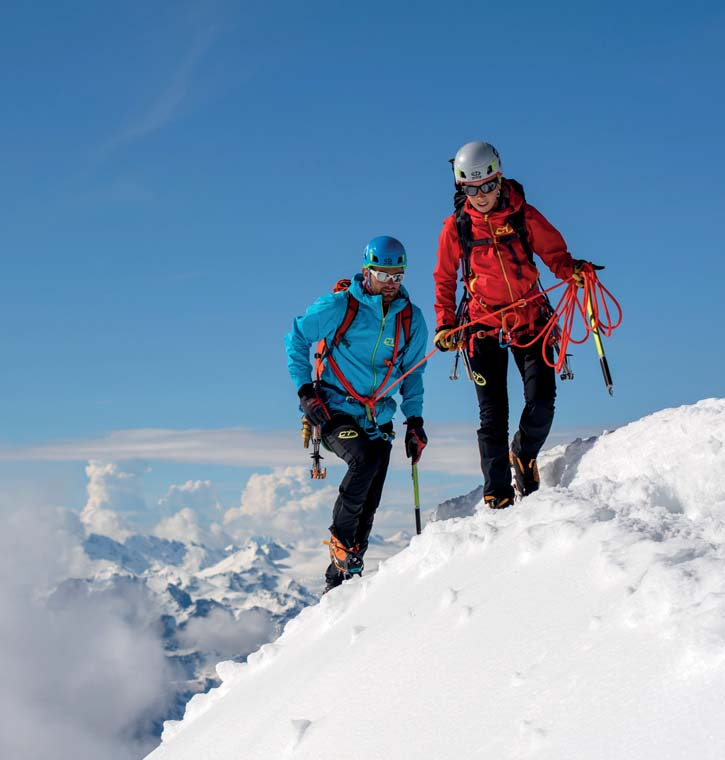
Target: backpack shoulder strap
<point>517,220</point>
<point>463,228</point>
<point>406,319</point>
<point>350,313</point>
<point>323,347</point>
<point>353,306</point>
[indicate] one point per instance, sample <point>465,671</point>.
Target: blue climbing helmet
<point>385,251</point>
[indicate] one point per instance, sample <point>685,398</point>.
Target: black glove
<point>443,341</point>
<point>580,264</point>
<point>312,405</point>
<point>415,438</point>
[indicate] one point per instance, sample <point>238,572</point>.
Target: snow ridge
<point>587,622</point>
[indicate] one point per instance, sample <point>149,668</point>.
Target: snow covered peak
<point>586,622</point>
<point>258,552</point>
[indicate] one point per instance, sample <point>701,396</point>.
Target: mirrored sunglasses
<point>386,276</point>
<point>486,187</point>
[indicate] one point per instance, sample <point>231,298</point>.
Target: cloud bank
<point>112,489</point>
<point>452,448</point>
<point>82,673</point>
<point>285,500</point>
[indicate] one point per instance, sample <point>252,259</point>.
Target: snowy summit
<point>587,622</point>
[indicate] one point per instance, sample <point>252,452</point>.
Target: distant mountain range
<point>205,604</point>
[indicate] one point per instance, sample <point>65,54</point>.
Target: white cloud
<point>198,495</point>
<point>452,449</point>
<point>287,488</point>
<point>285,500</point>
<point>77,680</point>
<point>196,514</point>
<point>184,526</point>
<point>226,636</point>
<point>237,447</point>
<point>112,489</point>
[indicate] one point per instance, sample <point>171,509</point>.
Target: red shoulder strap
<point>407,319</point>
<point>350,313</point>
<point>323,349</point>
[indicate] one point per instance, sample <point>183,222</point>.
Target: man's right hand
<point>312,405</point>
<point>445,340</point>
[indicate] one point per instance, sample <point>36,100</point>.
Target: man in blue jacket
<point>367,336</point>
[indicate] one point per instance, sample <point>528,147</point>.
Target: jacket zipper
<point>375,349</point>
<point>500,260</point>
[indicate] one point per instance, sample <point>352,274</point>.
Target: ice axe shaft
<point>599,346</point>
<point>416,499</point>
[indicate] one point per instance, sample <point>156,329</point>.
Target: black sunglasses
<point>486,187</point>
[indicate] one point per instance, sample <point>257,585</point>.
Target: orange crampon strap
<point>335,546</point>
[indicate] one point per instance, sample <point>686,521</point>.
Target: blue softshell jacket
<point>362,352</point>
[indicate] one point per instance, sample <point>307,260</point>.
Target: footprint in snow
<point>466,614</point>
<point>299,727</point>
<point>356,631</point>
<point>535,735</point>
<point>518,678</point>
<point>449,597</point>
<point>595,622</point>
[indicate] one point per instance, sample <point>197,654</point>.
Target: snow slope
<point>587,622</point>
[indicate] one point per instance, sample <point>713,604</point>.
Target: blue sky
<point>179,180</point>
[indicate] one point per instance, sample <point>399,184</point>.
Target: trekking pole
<point>416,499</point>
<point>598,342</point>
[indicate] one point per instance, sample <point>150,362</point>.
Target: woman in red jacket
<point>490,240</point>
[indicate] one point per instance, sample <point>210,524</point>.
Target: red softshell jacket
<point>501,272</point>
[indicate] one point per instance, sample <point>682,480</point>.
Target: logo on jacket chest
<point>507,229</point>
<point>390,342</point>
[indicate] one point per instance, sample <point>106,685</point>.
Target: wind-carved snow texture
<point>587,622</point>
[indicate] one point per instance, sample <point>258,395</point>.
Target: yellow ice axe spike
<point>598,343</point>
<point>306,432</point>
